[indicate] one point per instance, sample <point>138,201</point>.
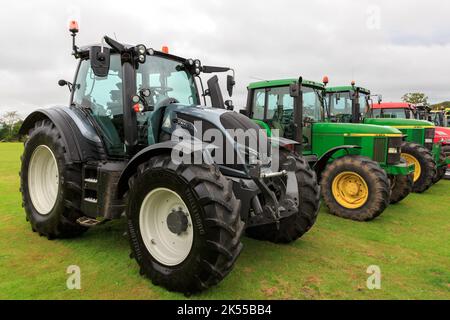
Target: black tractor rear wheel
<point>184,224</point>
<point>50,186</point>
<point>401,187</point>
<point>295,226</point>
<point>356,188</point>
<point>425,167</point>
<point>441,169</point>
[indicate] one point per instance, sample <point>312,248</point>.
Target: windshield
<point>392,113</point>
<point>312,104</point>
<point>103,96</point>
<point>364,102</point>
<point>340,104</point>
<point>166,79</point>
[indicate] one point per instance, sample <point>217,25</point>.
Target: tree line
<point>10,123</point>
<point>421,98</point>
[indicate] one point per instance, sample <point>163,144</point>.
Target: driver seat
<point>155,118</point>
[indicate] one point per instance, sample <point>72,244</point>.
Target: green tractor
<point>131,144</point>
<point>353,104</point>
<point>359,165</point>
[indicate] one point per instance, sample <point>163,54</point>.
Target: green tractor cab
<point>131,144</point>
<point>353,104</point>
<point>357,163</point>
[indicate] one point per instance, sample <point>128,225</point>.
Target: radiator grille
<point>379,150</point>
<point>394,158</point>
<point>429,134</point>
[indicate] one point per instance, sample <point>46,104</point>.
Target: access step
<point>88,222</point>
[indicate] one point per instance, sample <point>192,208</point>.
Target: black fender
<point>320,165</point>
<point>145,155</point>
<point>80,138</point>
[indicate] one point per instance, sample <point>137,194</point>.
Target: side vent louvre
<point>379,150</point>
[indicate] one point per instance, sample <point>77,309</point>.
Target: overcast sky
<point>390,47</point>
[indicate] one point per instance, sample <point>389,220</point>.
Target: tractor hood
<point>351,129</point>
<point>399,123</point>
<point>442,135</point>
<point>238,132</point>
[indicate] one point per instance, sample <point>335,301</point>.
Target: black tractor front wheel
<point>51,187</point>
<point>293,227</point>
<point>184,224</point>
<point>441,169</point>
<point>401,187</point>
<point>425,167</point>
<point>356,188</point>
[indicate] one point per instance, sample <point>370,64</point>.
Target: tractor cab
<point>441,118</point>
<point>345,103</point>
<point>393,110</point>
<point>126,90</point>
<point>271,105</point>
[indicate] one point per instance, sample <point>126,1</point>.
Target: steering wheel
<point>343,118</point>
<point>165,102</point>
<point>161,90</point>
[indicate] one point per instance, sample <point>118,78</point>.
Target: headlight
<point>393,150</point>
<point>141,49</point>
<point>197,63</point>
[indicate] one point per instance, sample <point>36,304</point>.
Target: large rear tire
<point>50,186</point>
<point>295,226</point>
<point>441,169</point>
<point>446,150</point>
<point>184,224</point>
<point>425,167</point>
<point>401,187</point>
<point>356,188</point>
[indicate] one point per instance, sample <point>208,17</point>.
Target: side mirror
<point>100,59</point>
<point>63,83</point>
<point>380,99</point>
<point>229,105</point>
<point>230,85</point>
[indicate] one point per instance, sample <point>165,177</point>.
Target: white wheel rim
<point>43,179</point>
<point>165,246</point>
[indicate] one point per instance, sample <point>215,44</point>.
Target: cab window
<point>103,96</point>
<point>259,97</point>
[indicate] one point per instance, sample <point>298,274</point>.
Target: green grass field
<point>410,242</point>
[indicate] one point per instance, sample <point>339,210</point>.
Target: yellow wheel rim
<point>350,190</point>
<point>412,160</point>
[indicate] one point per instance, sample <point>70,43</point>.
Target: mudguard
<point>80,138</point>
<point>320,165</point>
<point>154,150</point>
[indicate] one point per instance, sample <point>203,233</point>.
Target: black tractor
<point>135,142</point>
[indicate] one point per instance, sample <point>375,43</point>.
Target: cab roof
<point>347,88</point>
<point>84,51</point>
<point>393,105</point>
<point>283,82</point>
